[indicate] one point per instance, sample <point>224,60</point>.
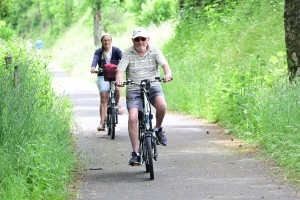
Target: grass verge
<point>36,147</point>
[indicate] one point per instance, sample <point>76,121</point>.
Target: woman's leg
<point>103,107</point>
<point>103,87</point>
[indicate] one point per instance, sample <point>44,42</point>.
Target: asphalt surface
<point>200,162</point>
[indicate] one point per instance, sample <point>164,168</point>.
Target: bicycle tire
<point>146,157</point>
<point>113,123</point>
<point>149,159</point>
<point>108,121</point>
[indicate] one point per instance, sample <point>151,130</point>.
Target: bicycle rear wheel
<point>149,160</point>
<point>113,123</point>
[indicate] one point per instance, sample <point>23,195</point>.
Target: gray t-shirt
<point>138,68</point>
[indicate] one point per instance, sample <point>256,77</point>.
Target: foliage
<point>5,8</point>
<point>33,17</point>
<point>236,53</point>
<point>49,19</point>
<point>113,18</point>
<point>156,12</point>
<point>149,12</point>
<point>134,6</point>
<point>5,33</point>
<point>36,148</point>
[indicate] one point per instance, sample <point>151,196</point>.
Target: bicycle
<point>147,138</point>
<point>112,112</point>
<point>111,119</point>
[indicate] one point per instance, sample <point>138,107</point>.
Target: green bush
<point>36,147</point>
<point>156,12</point>
<point>6,33</point>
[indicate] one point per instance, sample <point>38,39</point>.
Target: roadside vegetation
<point>36,147</point>
<point>229,67</point>
<point>37,150</point>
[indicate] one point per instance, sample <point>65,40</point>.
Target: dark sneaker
<point>160,134</point>
<point>135,159</point>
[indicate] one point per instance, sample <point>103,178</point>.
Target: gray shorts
<point>134,97</point>
<point>103,85</point>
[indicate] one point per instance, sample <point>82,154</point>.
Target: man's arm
<point>123,64</point>
<point>167,71</point>
<point>161,60</point>
<point>119,77</point>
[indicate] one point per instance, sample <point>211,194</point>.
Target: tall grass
<point>36,148</point>
<point>230,68</point>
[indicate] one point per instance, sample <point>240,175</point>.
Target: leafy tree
<point>97,6</point>
<point>37,4</point>
<point>151,11</point>
<point>292,36</point>
<point>156,11</point>
<point>60,10</point>
<point>16,10</point>
<point>5,33</point>
<point>5,8</point>
<point>135,6</point>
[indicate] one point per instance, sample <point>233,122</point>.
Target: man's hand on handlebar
<point>119,81</point>
<point>167,78</point>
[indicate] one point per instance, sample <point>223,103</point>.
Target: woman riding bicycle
<point>141,62</point>
<point>106,54</point>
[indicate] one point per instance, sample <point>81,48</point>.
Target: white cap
<point>140,32</point>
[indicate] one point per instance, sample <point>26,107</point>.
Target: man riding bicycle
<point>141,61</point>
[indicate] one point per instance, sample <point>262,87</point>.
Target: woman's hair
<point>105,34</point>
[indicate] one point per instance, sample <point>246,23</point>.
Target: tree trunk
<point>67,13</point>
<point>97,28</point>
<point>97,23</point>
<point>292,36</point>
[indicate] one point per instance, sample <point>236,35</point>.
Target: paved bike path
<point>195,165</point>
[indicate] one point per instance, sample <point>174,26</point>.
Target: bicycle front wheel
<point>108,121</point>
<point>149,160</point>
<point>113,123</point>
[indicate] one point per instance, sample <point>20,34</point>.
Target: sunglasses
<point>138,39</point>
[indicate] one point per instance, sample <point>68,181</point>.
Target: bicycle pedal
<point>134,164</point>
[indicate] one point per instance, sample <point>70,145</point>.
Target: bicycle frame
<point>112,111</point>
<point>145,123</point>
<point>111,98</point>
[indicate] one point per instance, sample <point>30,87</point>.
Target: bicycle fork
<point>143,147</point>
<point>153,144</point>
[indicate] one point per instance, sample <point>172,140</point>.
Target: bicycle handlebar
<point>143,82</point>
<point>96,72</point>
